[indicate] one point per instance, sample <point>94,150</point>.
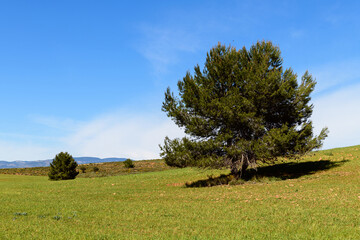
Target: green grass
<point>318,203</point>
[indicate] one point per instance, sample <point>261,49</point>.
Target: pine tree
<point>63,167</point>
<point>241,109</point>
<point>128,163</point>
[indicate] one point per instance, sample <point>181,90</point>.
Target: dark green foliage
<point>83,169</point>
<point>243,107</point>
<point>128,163</point>
<point>63,167</point>
<point>95,169</point>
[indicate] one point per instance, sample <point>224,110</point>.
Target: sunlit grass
<point>323,204</point>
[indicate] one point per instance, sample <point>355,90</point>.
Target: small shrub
<point>20,214</point>
<point>83,169</point>
<point>128,163</point>
<point>63,167</point>
<point>96,169</point>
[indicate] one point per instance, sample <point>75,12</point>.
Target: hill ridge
<point>46,163</point>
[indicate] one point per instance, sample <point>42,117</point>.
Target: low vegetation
<point>103,169</point>
<point>316,197</point>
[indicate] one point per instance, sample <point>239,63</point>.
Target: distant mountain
<point>46,163</point>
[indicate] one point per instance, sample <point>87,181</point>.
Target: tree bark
<point>239,167</point>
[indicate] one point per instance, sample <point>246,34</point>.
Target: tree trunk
<point>238,167</point>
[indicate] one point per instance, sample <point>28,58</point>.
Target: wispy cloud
<point>12,151</point>
<point>61,124</point>
<point>332,76</point>
<point>65,124</point>
<point>116,134</point>
<point>339,111</point>
<point>122,135</point>
<point>161,46</point>
<point>331,15</point>
<point>297,33</point>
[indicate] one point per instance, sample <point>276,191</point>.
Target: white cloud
<point>66,124</point>
<point>336,74</point>
<point>137,135</point>
<point>12,151</point>
<point>339,111</point>
<point>118,135</point>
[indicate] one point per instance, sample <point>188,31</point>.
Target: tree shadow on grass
<point>280,171</point>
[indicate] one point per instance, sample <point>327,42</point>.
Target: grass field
<point>296,201</point>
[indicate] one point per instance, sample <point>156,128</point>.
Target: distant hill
<point>46,163</point>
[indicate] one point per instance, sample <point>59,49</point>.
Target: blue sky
<point>88,77</point>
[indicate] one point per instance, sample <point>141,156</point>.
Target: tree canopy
<point>241,108</point>
<point>63,167</point>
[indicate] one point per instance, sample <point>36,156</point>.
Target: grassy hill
<point>317,197</point>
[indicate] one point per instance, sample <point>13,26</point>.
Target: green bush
<point>83,169</point>
<point>96,169</point>
<point>128,163</point>
<point>63,167</point>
